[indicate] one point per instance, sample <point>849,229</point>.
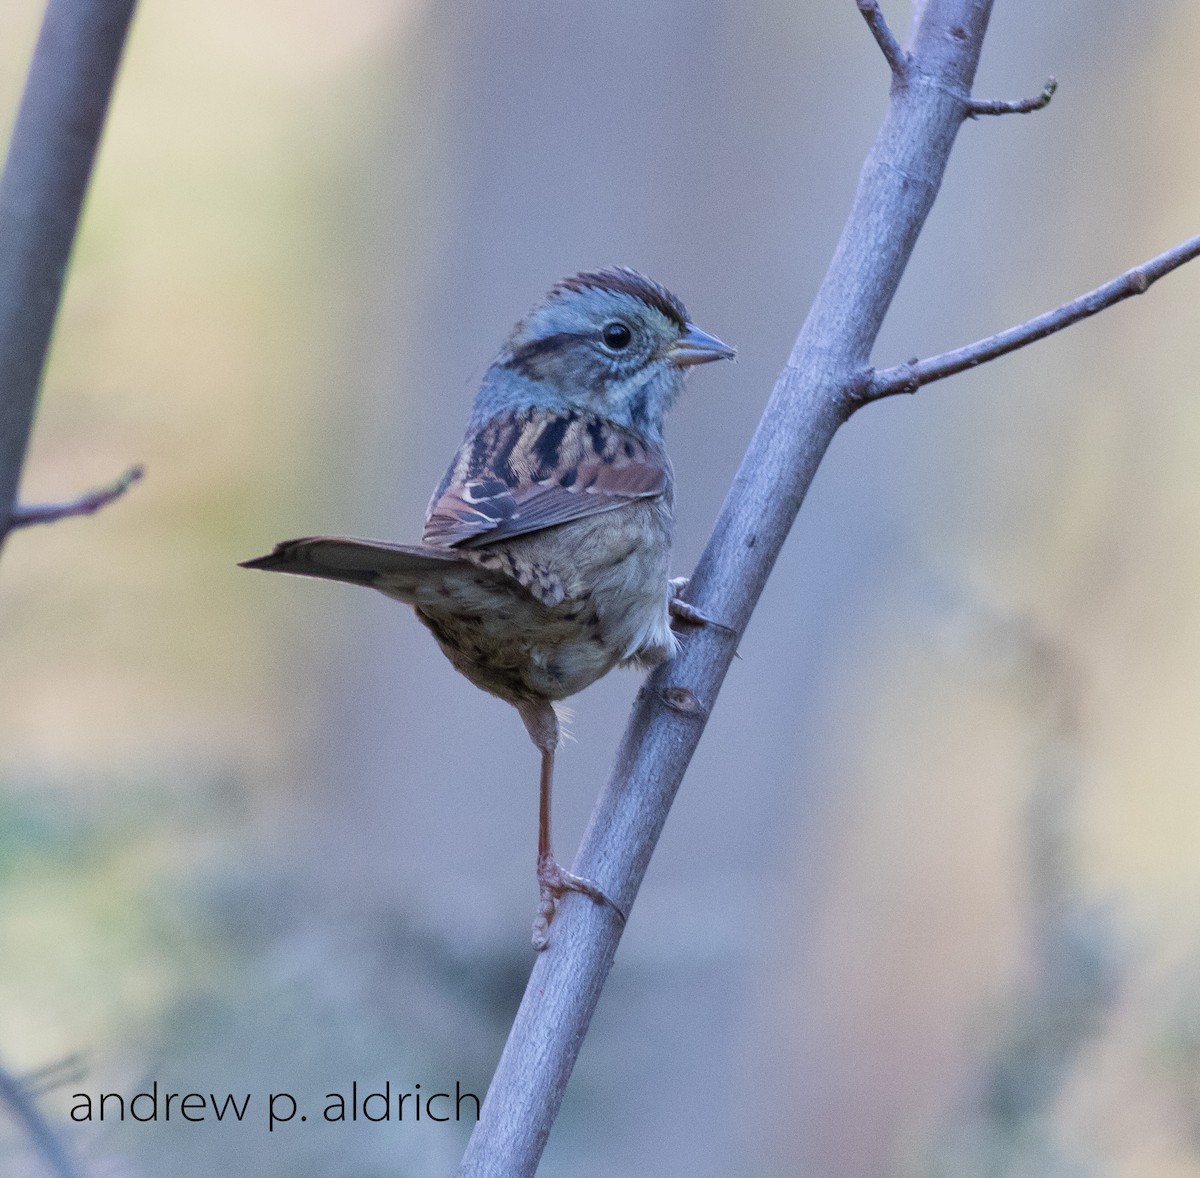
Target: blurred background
<point>929,901</point>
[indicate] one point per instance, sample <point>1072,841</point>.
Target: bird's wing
<point>521,472</point>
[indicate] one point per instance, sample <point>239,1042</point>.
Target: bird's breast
<point>587,595</point>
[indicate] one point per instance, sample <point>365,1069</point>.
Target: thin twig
<point>886,39</point>
<point>1015,106</point>
<point>71,1069</point>
<point>907,378</point>
<point>26,514</point>
<point>25,1110</point>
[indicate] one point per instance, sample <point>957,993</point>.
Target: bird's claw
<point>687,613</point>
<point>684,611</point>
<point>553,882</point>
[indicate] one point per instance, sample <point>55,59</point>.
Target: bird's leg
<point>553,880</point>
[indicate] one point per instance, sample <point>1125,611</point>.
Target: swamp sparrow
<point>543,563</point>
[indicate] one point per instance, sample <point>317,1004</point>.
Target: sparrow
<point>544,558</point>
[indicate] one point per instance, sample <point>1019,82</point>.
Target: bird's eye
<point>616,335</point>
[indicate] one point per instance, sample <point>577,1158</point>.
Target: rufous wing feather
<point>522,472</point>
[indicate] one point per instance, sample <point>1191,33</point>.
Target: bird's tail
<point>397,569</point>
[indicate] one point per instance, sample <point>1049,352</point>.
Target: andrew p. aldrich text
<point>361,1103</point>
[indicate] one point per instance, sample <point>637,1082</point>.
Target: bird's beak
<point>697,347</point>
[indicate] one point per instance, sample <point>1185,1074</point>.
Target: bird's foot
<point>554,881</point>
<point>684,611</point>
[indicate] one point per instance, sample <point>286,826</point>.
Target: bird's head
<point>609,342</point>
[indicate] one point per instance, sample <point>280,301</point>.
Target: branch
<point>886,39</point>
<point>45,177</point>
<point>90,501</point>
<point>70,1069</point>
<point>1016,106</point>
<point>27,1113</point>
<point>907,378</point>
<point>812,397</point>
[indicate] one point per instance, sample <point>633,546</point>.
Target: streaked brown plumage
<point>545,548</point>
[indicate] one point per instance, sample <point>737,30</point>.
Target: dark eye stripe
<point>547,345</point>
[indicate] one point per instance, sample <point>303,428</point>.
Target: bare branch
<point>71,1069</point>
<point>45,177</point>
<point>21,1104</point>
<point>811,399</point>
<point>886,39</point>
<point>1015,106</point>
<point>90,501</point>
<point>907,378</point>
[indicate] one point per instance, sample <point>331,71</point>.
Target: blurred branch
<point>812,397</point>
<point>1016,106</point>
<point>71,1069</point>
<point>41,193</point>
<point>1004,1123</point>
<point>884,37</point>
<point>27,1113</point>
<point>907,378</point>
<point>90,501</point>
